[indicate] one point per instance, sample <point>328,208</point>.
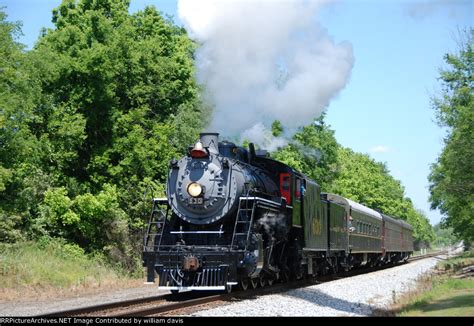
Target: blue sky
<point>385,108</point>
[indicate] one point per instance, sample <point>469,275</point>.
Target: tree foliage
<point>444,237</point>
<point>452,176</point>
<point>89,118</point>
<point>277,128</point>
<point>369,182</point>
<point>20,149</point>
<point>312,151</point>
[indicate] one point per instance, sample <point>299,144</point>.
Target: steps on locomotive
<point>243,222</point>
<point>156,225</point>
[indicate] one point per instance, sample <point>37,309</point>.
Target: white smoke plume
<point>264,60</point>
<point>262,136</point>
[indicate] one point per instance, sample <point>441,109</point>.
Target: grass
<point>444,294</point>
<point>447,297</point>
<point>458,262</point>
<point>52,268</point>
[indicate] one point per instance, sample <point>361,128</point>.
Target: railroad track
<point>170,304</point>
<point>427,255</point>
<point>175,306</point>
<point>127,307</point>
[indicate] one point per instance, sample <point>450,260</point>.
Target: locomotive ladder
<point>243,222</point>
<point>156,225</point>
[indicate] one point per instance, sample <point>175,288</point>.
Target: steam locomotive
<point>234,216</point>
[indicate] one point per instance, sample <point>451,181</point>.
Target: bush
<point>94,222</point>
<point>50,262</point>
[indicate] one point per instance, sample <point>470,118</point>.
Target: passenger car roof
<point>349,204</point>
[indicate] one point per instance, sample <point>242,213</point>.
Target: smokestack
<point>211,141</point>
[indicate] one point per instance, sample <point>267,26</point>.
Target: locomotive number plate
<point>196,201</point>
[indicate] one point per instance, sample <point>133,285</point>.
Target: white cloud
<point>455,10</point>
<point>380,149</point>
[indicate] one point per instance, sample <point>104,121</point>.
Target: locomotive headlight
<point>194,189</point>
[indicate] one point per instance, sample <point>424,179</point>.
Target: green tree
<point>444,237</point>
<point>366,181</point>
<point>119,76</point>
<point>452,176</point>
<point>277,128</point>
<point>89,118</point>
<point>313,151</point>
<point>20,150</point>
<point>124,100</point>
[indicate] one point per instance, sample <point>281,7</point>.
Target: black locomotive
<point>233,216</point>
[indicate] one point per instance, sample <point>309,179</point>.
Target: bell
<point>198,150</point>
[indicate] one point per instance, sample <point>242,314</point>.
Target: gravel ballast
<point>353,296</point>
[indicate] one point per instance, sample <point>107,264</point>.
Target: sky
<point>385,108</point>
